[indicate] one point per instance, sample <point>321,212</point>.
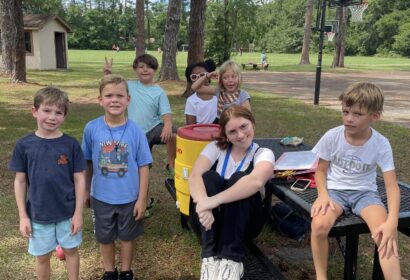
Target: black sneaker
<point>126,275</point>
<point>110,275</point>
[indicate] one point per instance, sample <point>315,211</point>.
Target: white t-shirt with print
<point>354,167</point>
<point>203,110</point>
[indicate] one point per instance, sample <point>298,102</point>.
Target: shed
<point>46,42</point>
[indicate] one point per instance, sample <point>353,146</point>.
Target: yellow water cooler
<point>191,139</point>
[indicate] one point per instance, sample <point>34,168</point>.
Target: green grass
<point>165,251</point>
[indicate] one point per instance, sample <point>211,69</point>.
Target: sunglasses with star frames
<point>195,77</point>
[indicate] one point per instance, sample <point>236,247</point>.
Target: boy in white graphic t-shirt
<point>346,179</point>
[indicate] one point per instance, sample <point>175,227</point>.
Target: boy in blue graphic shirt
<point>118,159</point>
<point>50,185</point>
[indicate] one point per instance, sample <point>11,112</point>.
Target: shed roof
<point>36,22</point>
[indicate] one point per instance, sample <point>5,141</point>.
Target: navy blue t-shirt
<point>49,165</point>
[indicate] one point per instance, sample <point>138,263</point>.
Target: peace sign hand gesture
<point>107,68</point>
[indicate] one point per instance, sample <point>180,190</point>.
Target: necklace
<point>117,143</point>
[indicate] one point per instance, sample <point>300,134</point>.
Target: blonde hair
<point>229,65</point>
<point>366,95</point>
<point>113,79</point>
<point>51,95</point>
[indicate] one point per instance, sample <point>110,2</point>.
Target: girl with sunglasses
<point>200,107</point>
<point>228,91</point>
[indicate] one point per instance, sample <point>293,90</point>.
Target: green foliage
<point>402,40</point>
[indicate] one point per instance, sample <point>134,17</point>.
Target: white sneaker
<point>209,268</point>
<point>230,270</point>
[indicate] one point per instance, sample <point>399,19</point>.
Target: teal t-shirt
<point>148,104</point>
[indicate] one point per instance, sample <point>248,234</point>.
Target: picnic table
<point>253,66</point>
<point>348,226</point>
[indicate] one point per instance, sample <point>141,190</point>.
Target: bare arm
<point>80,196</point>
<point>201,86</point>
<point>166,133</point>
<point>247,104</point>
<point>20,190</point>
<point>141,204</point>
<point>243,188</point>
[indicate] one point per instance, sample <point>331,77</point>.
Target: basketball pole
<point>322,18</point>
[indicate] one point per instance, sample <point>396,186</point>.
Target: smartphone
<point>300,185</point>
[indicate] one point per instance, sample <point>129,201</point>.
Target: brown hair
<point>234,111</point>
<point>113,79</point>
<point>51,95</point>
<point>366,95</point>
<point>148,59</point>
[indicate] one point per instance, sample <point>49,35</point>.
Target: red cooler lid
<point>199,132</point>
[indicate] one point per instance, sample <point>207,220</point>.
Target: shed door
<point>61,56</point>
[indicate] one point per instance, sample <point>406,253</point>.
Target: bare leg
<point>43,269</point>
<point>171,151</point>
<point>321,225</point>
<point>108,256</point>
<point>73,263</point>
<point>374,216</point>
<point>127,253</point>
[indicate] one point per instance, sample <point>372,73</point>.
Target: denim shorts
<point>154,135</point>
<point>46,237</point>
<point>355,201</point>
<point>112,221</point>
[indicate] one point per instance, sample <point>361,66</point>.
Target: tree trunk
<point>169,63</point>
<point>139,28</point>
<point>227,47</point>
<point>196,31</point>
<point>13,49</point>
<point>304,59</point>
<point>148,22</point>
<point>340,45</point>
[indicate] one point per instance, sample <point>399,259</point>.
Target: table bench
<point>253,66</point>
<point>350,226</point>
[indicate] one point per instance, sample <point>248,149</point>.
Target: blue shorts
<point>46,237</point>
<point>355,201</point>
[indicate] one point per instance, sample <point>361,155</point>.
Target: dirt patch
<point>302,86</point>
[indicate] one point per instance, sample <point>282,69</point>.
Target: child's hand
<point>166,133</point>
<point>25,227</point>
<point>213,75</point>
<point>388,245</point>
<point>320,206</point>
<point>139,209</point>
<point>107,68</point>
<point>206,218</point>
<point>76,223</point>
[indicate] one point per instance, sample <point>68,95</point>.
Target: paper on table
<point>299,160</point>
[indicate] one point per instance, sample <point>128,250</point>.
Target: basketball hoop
<point>330,36</point>
<point>357,12</point>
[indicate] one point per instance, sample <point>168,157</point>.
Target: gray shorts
<point>355,201</point>
<point>115,221</point>
<point>154,135</point>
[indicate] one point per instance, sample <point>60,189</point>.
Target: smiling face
<point>240,132</point>
<point>198,72</point>
<point>49,119</point>
<point>114,99</point>
<point>357,120</point>
<point>230,80</point>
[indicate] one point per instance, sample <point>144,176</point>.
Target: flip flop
<point>151,205</point>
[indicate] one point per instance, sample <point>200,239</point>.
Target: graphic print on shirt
<point>351,164</point>
<point>113,157</point>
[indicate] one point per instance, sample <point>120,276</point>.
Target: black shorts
<point>112,221</point>
<point>154,135</point>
